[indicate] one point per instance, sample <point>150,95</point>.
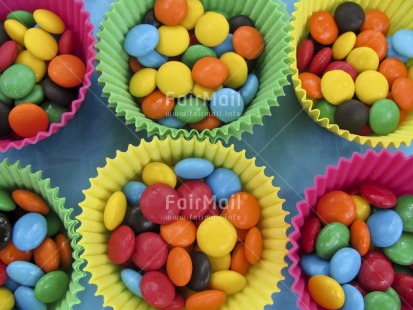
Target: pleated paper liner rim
<point>390,169</point>
<point>400,16</point>
<point>128,165</point>
<point>271,19</point>
<point>13,176</point>
<point>78,19</point>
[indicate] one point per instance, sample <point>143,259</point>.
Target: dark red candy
<point>403,285</point>
<point>157,290</point>
<point>342,65</point>
<point>4,119</point>
<point>121,244</point>
<point>192,38</point>
<point>177,304</point>
<point>320,61</point>
<point>359,287</point>
<point>67,42</point>
<point>139,224</point>
<point>3,273</point>
<point>201,271</point>
<point>150,252</point>
<point>378,195</point>
<point>8,53</point>
<point>195,199</point>
<point>309,235</point>
<point>351,115</point>
<point>365,131</point>
<point>305,53</point>
<point>376,273</point>
<point>238,21</point>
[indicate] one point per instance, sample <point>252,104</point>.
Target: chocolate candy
<point>57,94</point>
<point>238,21</point>
<point>5,231</point>
<point>139,223</point>
<point>351,115</point>
<point>349,16</point>
<point>201,271</point>
<point>4,119</point>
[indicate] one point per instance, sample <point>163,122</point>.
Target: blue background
<point>290,145</point>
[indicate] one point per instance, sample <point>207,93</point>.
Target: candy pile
<point>358,249</point>
<point>39,73</point>
<point>193,67</point>
<point>34,254</point>
<point>176,246</point>
<point>359,79</point>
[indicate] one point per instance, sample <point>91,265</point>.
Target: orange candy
<point>360,236</point>
<point>248,42</point>
<point>66,70</point>
<point>241,234</point>
<point>181,232</point>
<point>65,251</point>
<point>403,114</point>
<point>336,206</point>
<point>170,12</point>
<point>28,119</point>
<point>209,122</point>
<point>402,93</point>
<point>253,245</point>
<point>134,64</point>
<point>209,72</point>
<point>157,105</point>
<point>373,39</point>
<point>10,254</point>
<point>239,261</point>
<point>46,255</point>
<point>392,68</point>
<point>206,300</point>
<point>323,28</point>
<point>243,210</point>
<point>376,20</point>
<point>311,83</point>
<point>30,201</point>
<point>179,266</point>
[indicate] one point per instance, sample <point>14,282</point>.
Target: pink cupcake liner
<point>393,170</point>
<point>76,18</point>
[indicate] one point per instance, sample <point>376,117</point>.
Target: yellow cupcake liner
<point>262,278</point>
<point>400,14</point>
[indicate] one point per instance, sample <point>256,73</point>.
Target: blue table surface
<point>290,145</point>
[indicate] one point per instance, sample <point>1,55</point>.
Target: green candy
<point>404,208</point>
<point>402,251</point>
<point>52,286</point>
<point>392,293</point>
<point>190,109</point>
<point>54,224</point>
<point>327,110</point>
<point>36,96</point>
<point>384,116</point>
<point>5,99</point>
<point>54,111</point>
<point>22,16</point>
<point>380,300</point>
<point>6,202</point>
<point>17,81</point>
<point>332,237</point>
<point>196,52</point>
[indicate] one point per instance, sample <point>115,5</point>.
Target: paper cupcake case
<point>399,13</point>
<point>270,18</point>
<point>393,170</point>
<point>262,278</point>
<point>76,18</point>
<point>13,176</point>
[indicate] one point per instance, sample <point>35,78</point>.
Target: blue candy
<point>249,89</point>
<point>193,168</point>
<point>24,273</point>
<point>171,121</point>
<point>132,280</point>
<point>385,227</point>
<point>391,51</point>
<point>11,285</point>
<point>153,60</point>
<point>312,265</point>
<point>29,231</point>
<point>227,105</point>
<point>353,298</point>
<point>403,42</point>
<point>223,183</point>
<point>224,47</point>
<point>25,299</point>
<point>133,191</point>
<point>345,265</point>
<point>141,40</point>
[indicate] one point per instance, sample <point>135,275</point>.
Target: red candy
<point>378,195</point>
<point>403,285</point>
<point>195,199</point>
<point>177,304</point>
<point>157,289</point>
<point>376,272</point>
<point>3,274</point>
<point>121,244</point>
<point>305,52</point>
<point>320,61</point>
<point>310,233</point>
<point>342,65</point>
<point>67,42</point>
<point>150,252</point>
<point>8,52</point>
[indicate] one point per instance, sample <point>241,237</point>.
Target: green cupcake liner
<point>14,176</point>
<point>270,18</point>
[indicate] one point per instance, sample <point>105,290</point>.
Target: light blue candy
<point>385,227</point>
<point>224,47</point>
<point>193,168</point>
<point>153,59</point>
<point>29,231</point>
<point>25,273</point>
<point>391,52</point>
<point>249,89</point>
<point>403,42</point>
<point>353,298</point>
<point>141,40</point>
<point>227,105</point>
<point>312,265</point>
<point>345,265</point>
<point>133,191</point>
<point>132,280</point>
<point>11,285</point>
<point>223,183</point>
<point>171,121</point>
<point>25,299</point>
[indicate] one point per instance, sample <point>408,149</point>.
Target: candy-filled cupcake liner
<point>76,18</point>
<point>13,176</point>
<point>262,278</point>
<point>392,170</point>
<point>270,19</point>
<point>399,13</point>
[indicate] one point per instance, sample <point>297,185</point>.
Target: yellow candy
<point>363,58</point>
<point>15,30</point>
<point>228,281</point>
<point>410,72</point>
<point>40,43</point>
<point>49,21</point>
<point>203,92</point>
<point>143,82</point>
<point>115,210</point>
<point>371,86</point>
<point>195,11</point>
<point>174,79</point>
<point>337,86</point>
<point>363,208</point>
<point>237,69</point>
<point>220,263</point>
<point>38,65</point>
<point>326,292</point>
<point>211,29</point>
<point>343,45</point>
<point>158,173</point>
<point>6,299</point>
<point>173,40</point>
<point>216,236</point>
